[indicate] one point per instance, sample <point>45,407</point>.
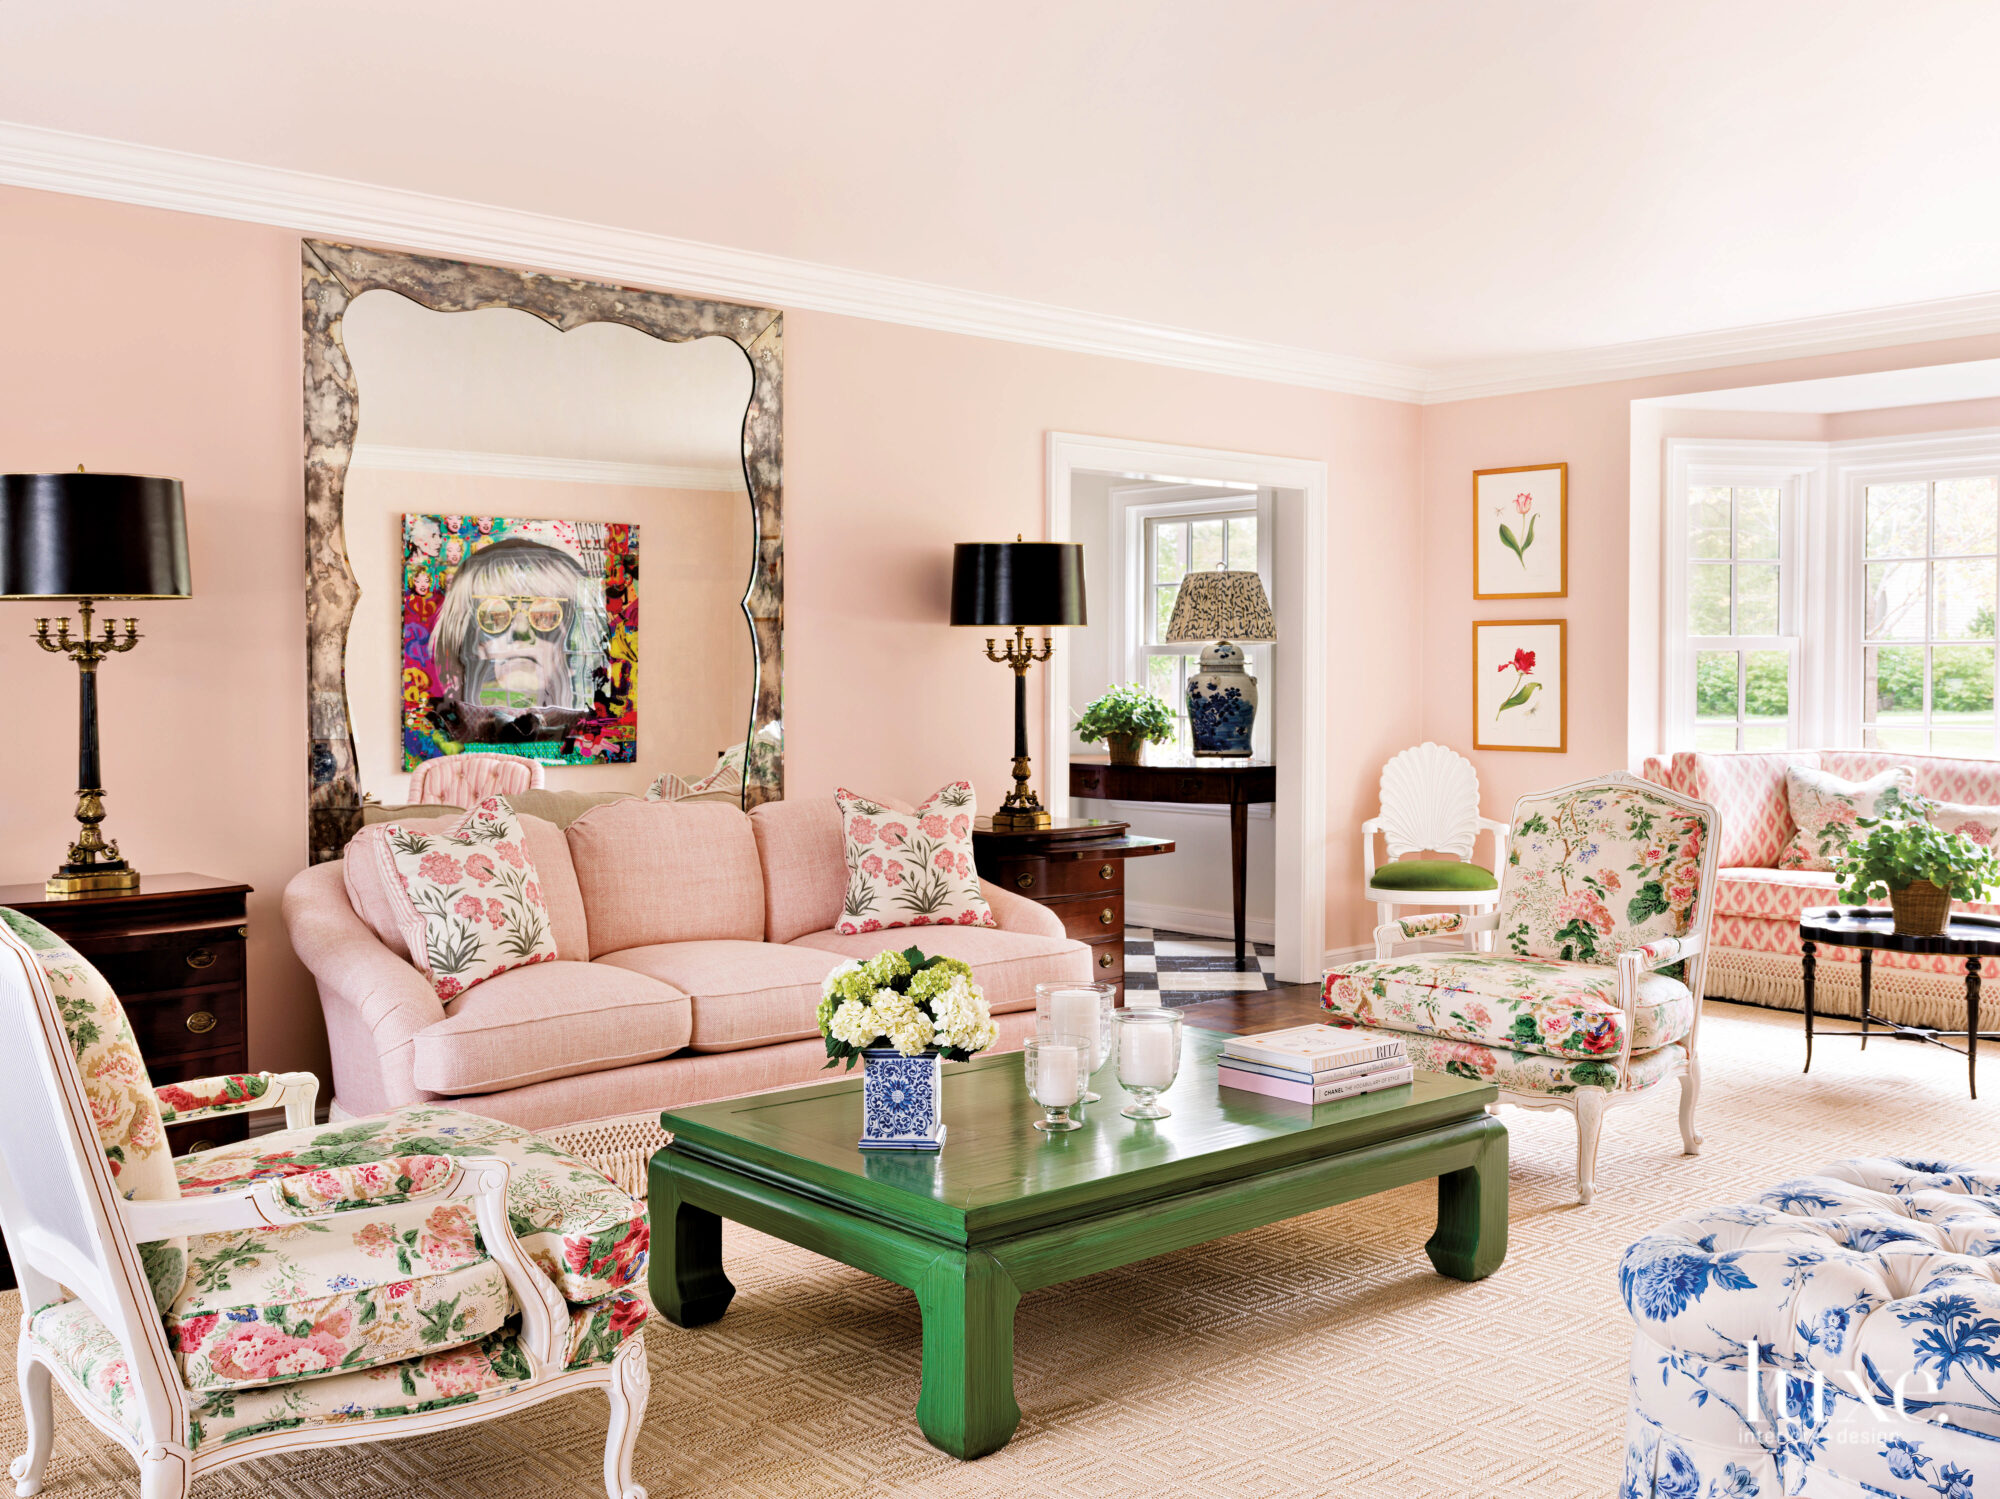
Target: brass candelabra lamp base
<point>94,866</point>
<point>1023,811</point>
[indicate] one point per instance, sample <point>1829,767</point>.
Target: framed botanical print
<point>1520,684</point>
<point>1520,532</point>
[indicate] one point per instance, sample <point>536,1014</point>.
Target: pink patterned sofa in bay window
<point>691,941</point>
<point>1754,941</point>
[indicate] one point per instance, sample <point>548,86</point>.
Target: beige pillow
<point>1825,809</point>
<point>1980,824</point>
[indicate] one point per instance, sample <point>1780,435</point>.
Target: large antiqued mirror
<point>542,522</point>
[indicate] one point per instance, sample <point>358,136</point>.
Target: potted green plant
<point>1920,867</point>
<point>1126,717</point>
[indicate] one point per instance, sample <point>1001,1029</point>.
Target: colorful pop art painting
<point>520,636</point>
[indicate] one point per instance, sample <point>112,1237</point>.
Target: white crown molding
<point>1763,343</point>
<point>375,455</point>
<point>329,207</point>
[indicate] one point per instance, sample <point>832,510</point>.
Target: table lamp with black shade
<point>90,537</point>
<point>1028,585</point>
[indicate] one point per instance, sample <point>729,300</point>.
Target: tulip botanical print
<point>1520,684</point>
<point>911,868</point>
<point>1520,523</point>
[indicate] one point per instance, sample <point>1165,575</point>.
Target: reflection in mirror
<point>552,537</point>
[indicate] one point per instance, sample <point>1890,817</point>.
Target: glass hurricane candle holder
<point>1149,1058</point>
<point>1055,1069</point>
<point>1078,1009</point>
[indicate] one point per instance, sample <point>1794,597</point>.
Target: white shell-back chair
<point>1430,804</point>
<point>75,1232</point>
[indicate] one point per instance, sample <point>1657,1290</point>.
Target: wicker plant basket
<point>1124,748</point>
<point>1921,909</point>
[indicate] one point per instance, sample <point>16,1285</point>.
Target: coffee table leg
<point>1471,1237</point>
<point>966,1405</point>
<point>1972,1023</point>
<point>685,1274</point>
<point>1806,964</point>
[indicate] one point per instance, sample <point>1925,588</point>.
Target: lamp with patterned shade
<point>1230,609</point>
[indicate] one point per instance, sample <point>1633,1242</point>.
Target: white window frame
<point>1855,466</point>
<point>1797,471</point>
<point>1131,592</point>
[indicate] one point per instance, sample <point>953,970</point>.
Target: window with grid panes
<point>1928,573</point>
<point>1176,545</point>
<point>1738,607</point>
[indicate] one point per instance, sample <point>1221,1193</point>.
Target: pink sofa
<point>691,941</point>
<point>1754,941</point>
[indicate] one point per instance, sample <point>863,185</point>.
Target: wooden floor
<point>1289,1004</point>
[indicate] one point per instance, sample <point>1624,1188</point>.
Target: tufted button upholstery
<point>1865,1277</point>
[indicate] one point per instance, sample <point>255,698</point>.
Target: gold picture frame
<point>1526,694</point>
<point>1509,542</point>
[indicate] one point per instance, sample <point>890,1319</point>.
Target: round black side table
<point>1871,929</point>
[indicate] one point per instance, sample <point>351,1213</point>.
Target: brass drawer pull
<point>1108,872</point>
<point>1107,916</point>
<point>1025,881</point>
<point>201,957</point>
<point>198,1145</point>
<point>201,1022</point>
<point>1104,960</point>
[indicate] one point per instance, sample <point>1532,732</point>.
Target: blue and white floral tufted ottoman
<point>1837,1338</point>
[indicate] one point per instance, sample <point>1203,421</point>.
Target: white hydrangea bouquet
<point>905,1000</point>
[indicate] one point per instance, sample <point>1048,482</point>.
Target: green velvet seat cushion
<point>1433,874</point>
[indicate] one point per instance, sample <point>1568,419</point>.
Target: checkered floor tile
<point>1183,968</point>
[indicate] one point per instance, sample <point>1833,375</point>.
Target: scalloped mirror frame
<point>334,275</point>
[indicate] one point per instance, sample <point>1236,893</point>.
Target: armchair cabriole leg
<point>1690,1091</point>
<point>631,1383</point>
<point>1589,1124</point>
<point>163,1474</point>
<point>38,1415</point>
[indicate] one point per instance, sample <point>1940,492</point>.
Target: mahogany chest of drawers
<point>1076,868</point>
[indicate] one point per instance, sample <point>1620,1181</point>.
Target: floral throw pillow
<point>1825,809</point>
<point>910,868</point>
<point>1980,824</point>
<point>471,904</point>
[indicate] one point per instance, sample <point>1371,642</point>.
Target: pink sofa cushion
<point>547,1021</point>
<point>654,872</point>
<point>1005,965</point>
<point>803,852</point>
<point>744,993</point>
<point>364,871</point>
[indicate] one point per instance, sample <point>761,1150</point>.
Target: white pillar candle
<point>1147,1060</point>
<point>1058,1075</point>
<point>1076,1012</point>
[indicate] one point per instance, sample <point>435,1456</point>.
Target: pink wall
<point>155,342</point>
<point>1591,427</point>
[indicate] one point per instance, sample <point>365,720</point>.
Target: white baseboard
<point>1335,956</point>
<point>1197,922</point>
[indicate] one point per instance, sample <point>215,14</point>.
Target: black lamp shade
<point>92,536</point>
<point>1030,583</point>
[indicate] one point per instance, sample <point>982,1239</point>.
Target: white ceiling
<point>1427,182</point>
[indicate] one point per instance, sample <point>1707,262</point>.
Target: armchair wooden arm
<point>296,1093</point>
<point>1437,924</point>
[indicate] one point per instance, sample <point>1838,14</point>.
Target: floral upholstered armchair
<point>308,1288</point>
<point>1592,993</point>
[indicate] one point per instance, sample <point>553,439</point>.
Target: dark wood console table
<point>1077,869</point>
<point>1236,784</point>
<point>1966,935</point>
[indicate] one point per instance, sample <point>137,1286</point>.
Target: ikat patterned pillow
<point>470,904</point>
<point>1826,808</point>
<point>910,868</point>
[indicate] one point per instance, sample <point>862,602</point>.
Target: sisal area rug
<point>1319,1356</point>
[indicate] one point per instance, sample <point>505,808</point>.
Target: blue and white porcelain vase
<point>902,1100</point>
<point>1222,702</point>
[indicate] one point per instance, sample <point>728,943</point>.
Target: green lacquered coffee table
<point>1005,1209</point>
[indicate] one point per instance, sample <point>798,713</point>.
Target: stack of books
<point>1314,1063</point>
